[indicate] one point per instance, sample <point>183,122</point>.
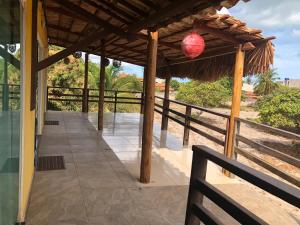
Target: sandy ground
<point>279,143</point>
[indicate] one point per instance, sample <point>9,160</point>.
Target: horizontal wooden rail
<point>205,215</point>
<point>270,151</point>
<point>270,129</point>
<point>229,205</point>
<point>200,188</point>
<point>195,107</point>
<point>192,128</point>
<point>275,187</point>
<point>268,166</point>
<point>85,99</point>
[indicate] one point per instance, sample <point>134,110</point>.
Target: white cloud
<point>224,11</point>
<point>278,18</point>
<point>296,32</point>
<point>269,13</point>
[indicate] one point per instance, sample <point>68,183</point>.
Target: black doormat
<point>46,163</point>
<point>51,122</point>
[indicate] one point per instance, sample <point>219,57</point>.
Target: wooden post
<point>199,167</point>
<point>34,55</point>
<point>116,100</point>
<point>149,108</point>
<point>186,133</point>
<point>85,87</point>
<point>143,92</point>
<point>236,100</point>
<point>166,103</point>
<point>101,88</point>
<point>5,87</point>
<point>47,98</point>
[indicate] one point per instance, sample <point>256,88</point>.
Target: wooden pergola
<point>149,33</point>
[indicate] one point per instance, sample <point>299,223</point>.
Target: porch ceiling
<point>127,20</point>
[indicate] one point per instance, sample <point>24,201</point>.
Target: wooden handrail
<point>270,129</point>
<point>196,107</point>
<point>199,188</point>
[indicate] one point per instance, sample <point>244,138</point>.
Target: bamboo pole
<point>101,87</point>
<point>164,121</point>
<point>85,87</point>
<point>149,108</point>
<point>236,100</point>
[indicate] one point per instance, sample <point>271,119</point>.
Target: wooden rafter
<point>107,11</point>
<point>120,12</point>
<point>172,9</point>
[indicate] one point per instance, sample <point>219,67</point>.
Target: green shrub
<point>208,94</point>
<point>175,84</point>
<point>281,108</point>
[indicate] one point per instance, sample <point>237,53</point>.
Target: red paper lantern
<point>192,45</point>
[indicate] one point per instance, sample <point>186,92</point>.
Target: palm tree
<point>266,82</point>
<point>116,83</point>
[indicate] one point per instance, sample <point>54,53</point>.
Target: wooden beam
<point>164,119</point>
<point>113,29</point>
<point>112,6</point>
<point>91,17</point>
<point>34,54</point>
<point>5,87</point>
<point>171,10</point>
<point>149,108</point>
<point>107,11</point>
<point>223,35</point>
<point>133,8</point>
<point>65,12</point>
<point>101,88</point>
<point>85,87</point>
<point>236,101</point>
<point>216,32</point>
<point>9,58</point>
<point>75,47</point>
<point>63,29</point>
<point>143,92</point>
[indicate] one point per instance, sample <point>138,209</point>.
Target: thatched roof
<point>219,56</point>
<point>70,21</point>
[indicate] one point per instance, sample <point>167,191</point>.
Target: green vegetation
<point>281,108</point>
<point>72,76</point>
<point>207,94</point>
<point>13,78</point>
<point>175,84</point>
<point>266,82</point>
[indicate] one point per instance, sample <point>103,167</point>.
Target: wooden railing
<point>190,123</point>
<point>78,96</point>
<point>261,148</point>
<point>186,118</point>
<point>199,188</point>
<point>10,96</point>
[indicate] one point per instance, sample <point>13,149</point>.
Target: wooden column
<point>34,55</point>
<point>149,108</point>
<point>85,107</point>
<point>186,132</point>
<point>143,92</point>
<point>166,103</point>
<point>101,88</point>
<point>236,99</point>
<point>5,87</point>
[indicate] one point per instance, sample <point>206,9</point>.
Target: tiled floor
<point>100,185</point>
<point>95,188</point>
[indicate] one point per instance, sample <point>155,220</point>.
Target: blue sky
<point>276,18</point>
